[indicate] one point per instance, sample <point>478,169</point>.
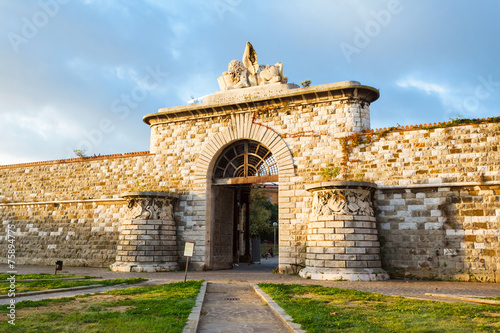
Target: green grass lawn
<point>322,309</point>
<point>162,308</point>
<point>25,286</point>
<point>45,276</point>
<point>490,298</point>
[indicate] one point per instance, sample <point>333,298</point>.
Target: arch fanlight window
<point>246,158</point>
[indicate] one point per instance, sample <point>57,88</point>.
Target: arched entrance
<point>248,160</point>
<point>239,166</point>
<point>214,178</point>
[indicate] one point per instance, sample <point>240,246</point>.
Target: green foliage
<point>140,188</point>
<point>162,308</point>
<point>269,235</point>
<point>306,83</point>
<point>323,309</point>
<point>329,173</point>
<point>261,212</point>
<point>274,212</point>
<point>458,117</point>
<point>451,123</point>
<point>25,286</point>
<point>79,153</point>
<point>490,298</point>
<point>45,276</point>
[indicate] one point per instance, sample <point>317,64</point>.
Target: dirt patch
<point>306,295</point>
<point>339,302</point>
<point>491,314</point>
<point>77,305</point>
<point>106,298</point>
<point>326,299</point>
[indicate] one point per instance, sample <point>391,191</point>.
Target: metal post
<point>186,273</point>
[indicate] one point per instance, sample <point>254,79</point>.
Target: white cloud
<point>6,159</point>
<point>44,123</point>
<point>452,97</point>
<point>66,79</point>
<point>428,87</point>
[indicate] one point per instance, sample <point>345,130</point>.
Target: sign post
<point>188,252</point>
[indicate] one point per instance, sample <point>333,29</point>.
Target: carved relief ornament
<point>342,202</point>
<point>150,208</point>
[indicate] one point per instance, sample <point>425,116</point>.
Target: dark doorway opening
<point>239,167</point>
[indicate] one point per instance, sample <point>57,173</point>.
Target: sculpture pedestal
<point>342,238</point>
<point>250,93</point>
<point>147,242</point>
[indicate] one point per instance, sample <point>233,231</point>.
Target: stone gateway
<point>354,203</point>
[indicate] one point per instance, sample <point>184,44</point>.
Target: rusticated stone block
<point>155,248</point>
<point>400,161</point>
<point>352,235</point>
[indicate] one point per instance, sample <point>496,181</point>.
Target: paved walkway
<point>234,307</point>
<point>221,315</point>
<point>263,273</point>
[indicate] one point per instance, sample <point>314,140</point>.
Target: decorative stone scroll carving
<point>248,73</point>
<point>149,208</point>
<point>342,202</point>
<point>148,240</point>
<point>342,236</point>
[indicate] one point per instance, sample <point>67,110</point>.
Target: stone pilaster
<point>342,238</point>
<point>147,242</point>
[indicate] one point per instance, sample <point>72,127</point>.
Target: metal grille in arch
<point>245,158</point>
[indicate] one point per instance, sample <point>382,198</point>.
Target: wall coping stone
<point>456,184</point>
<point>345,90</point>
<point>59,202</point>
<point>75,160</point>
<point>258,92</point>
<point>150,194</point>
<point>338,184</point>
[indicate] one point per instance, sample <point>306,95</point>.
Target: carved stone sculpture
<point>236,75</point>
<point>147,242</point>
<point>271,74</point>
<point>248,73</point>
<point>342,202</point>
<point>342,221</point>
<point>150,208</point>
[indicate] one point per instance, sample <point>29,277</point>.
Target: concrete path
<point>262,273</point>
<point>235,307</point>
<point>70,293</point>
<point>221,315</point>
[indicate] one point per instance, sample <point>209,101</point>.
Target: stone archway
<point>246,159</point>
<point>242,128</point>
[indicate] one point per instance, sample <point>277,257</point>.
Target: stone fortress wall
<point>437,204</point>
<point>68,210</point>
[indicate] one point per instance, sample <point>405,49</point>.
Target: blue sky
<point>78,74</point>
